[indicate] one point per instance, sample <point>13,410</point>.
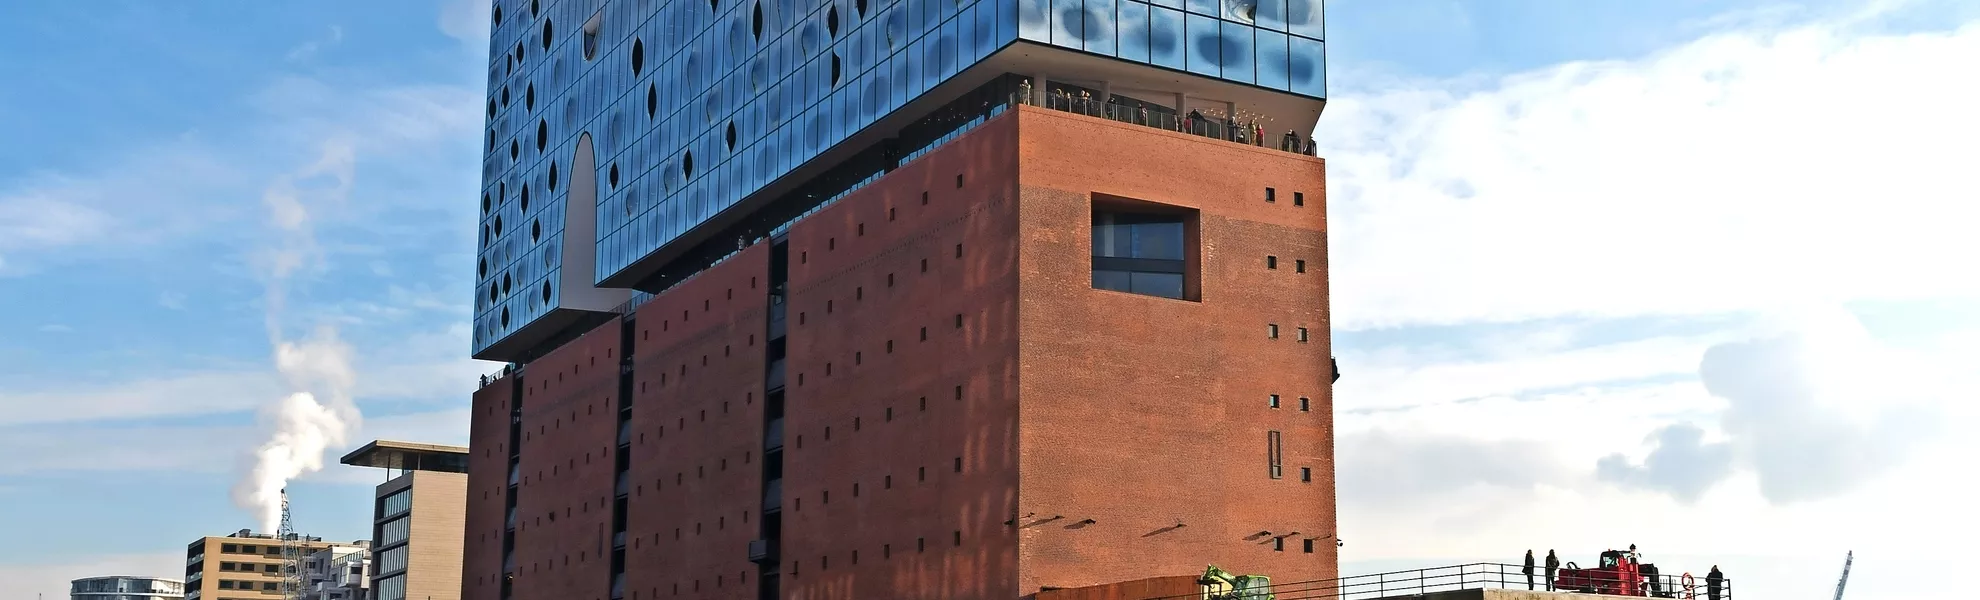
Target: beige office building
<point>418,518</point>
<point>240,566</point>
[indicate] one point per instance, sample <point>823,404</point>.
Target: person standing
<point>1528,569</point>
<point>1714,580</point>
<point>1024,92</point>
<point>1553,564</point>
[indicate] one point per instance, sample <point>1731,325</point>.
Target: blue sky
<point>1545,212</point>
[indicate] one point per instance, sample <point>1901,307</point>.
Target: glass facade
<point>394,531</point>
<point>691,106</point>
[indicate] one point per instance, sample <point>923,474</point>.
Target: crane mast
<point>1847,560</point>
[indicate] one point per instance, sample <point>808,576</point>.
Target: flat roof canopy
<point>409,456</point>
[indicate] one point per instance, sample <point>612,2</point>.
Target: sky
<point>1689,274</point>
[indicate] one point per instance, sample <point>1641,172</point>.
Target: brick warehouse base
<point>963,414</point>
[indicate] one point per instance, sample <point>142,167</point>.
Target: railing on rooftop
<point>1194,122</point>
<point>1416,582</point>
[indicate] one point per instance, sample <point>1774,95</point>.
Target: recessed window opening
<point>612,176</point>
<point>652,100</point>
<point>1139,253</point>
<point>687,164</point>
<point>1305,405</point>
<point>1273,452</point>
<point>638,57</point>
<point>542,134</point>
<point>1302,334</point>
<point>756,21</point>
<point>1275,401</point>
<point>591,34</point>
<point>546,35</point>
<point>553,176</point>
<point>731,137</point>
<point>1272,331</point>
<point>832,22</point>
<point>860,6</point>
<point>1271,195</point>
<point>1306,474</point>
<point>1299,266</point>
<point>529,97</point>
<point>1271,262</point>
<point>835,69</point>
<point>1299,198</point>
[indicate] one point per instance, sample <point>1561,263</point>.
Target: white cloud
<point>1740,171</point>
<point>39,581</point>
<point>466,20</point>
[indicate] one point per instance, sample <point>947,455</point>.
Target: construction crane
<point>1847,560</point>
<point>292,587</point>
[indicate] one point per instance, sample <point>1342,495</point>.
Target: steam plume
<point>319,413</point>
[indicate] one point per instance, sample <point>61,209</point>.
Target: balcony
<point>763,552</point>
<point>515,473</point>
<point>625,432</point>
<point>619,540</point>
<point>194,559</point>
<point>623,486</point>
<point>773,435</point>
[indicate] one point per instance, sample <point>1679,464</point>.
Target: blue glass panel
<point>1237,58</point>
<point>1007,21</point>
<point>1133,27</point>
<point>1165,37</point>
<point>1203,43</point>
<point>1309,67</point>
<point>1205,7</point>
<point>1068,24</point>
<point>1100,30</point>
<point>1034,20</point>
<point>1304,17</point>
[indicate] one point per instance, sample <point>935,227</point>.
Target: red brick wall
<point>1170,587</point>
<point>563,521</point>
<point>488,478</point>
<point>1139,413</point>
<point>1145,413</point>
<point>951,396</point>
<point>697,431</point>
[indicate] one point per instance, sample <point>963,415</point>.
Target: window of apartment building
<point>395,504</point>
<point>390,588</point>
<point>1142,248</point>
<point>226,566</point>
<point>394,531</point>
<point>269,568</point>
<point>1273,453</point>
<point>226,585</point>
<point>229,548</point>
<point>392,561</point>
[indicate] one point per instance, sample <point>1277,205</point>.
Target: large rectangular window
<point>396,503</point>
<point>394,531</point>
<point>391,588</point>
<point>1140,252</point>
<point>392,561</point>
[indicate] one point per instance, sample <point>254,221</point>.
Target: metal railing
<point>1193,123</point>
<point>1415,582</point>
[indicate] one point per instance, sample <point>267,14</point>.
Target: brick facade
<point>959,400</point>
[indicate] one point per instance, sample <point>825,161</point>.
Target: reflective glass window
<point>1100,27</point>
<point>1165,37</point>
<point>1133,28</point>
<point>1308,66</point>
<point>1236,53</point>
<point>1034,20</point>
<point>1068,24</point>
<point>1203,42</point>
<point>1304,17</point>
<point>394,531</point>
<point>396,503</point>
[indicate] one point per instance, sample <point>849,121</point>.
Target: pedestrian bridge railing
<point>1415,582</point>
